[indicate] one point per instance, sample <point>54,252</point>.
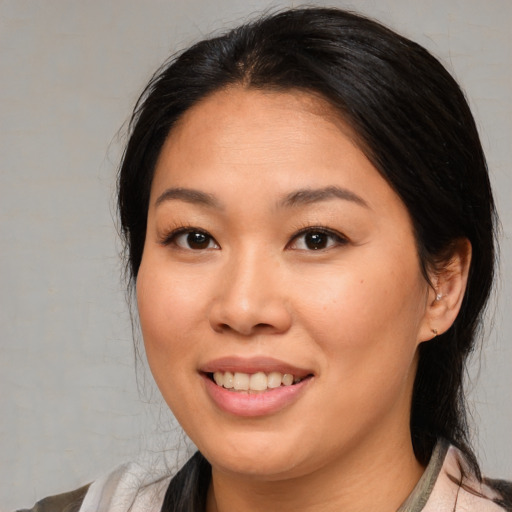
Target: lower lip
<point>246,404</point>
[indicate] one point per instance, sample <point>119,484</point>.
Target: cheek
<point>367,331</point>
<point>363,315</point>
<point>168,310</point>
<point>168,316</point>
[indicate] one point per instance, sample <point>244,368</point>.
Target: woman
<point>310,232</point>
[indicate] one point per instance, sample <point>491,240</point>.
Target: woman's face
<point>278,259</point>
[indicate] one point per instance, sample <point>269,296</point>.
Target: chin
<point>257,466</point>
<point>257,457</point>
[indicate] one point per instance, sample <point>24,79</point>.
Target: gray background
<point>70,72</point>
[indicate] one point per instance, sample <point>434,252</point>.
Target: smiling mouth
<point>254,382</point>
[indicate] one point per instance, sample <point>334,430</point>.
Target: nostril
<point>262,326</point>
<point>245,330</point>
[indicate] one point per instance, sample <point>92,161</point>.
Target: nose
<point>251,297</point>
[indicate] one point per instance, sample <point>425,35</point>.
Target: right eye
<point>191,239</point>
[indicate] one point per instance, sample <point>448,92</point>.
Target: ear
<point>445,296</point>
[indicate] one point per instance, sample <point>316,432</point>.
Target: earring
<point>434,331</point>
<point>439,296</point>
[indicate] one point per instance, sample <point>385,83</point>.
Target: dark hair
<point>411,120</point>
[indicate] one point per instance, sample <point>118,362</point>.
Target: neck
<point>377,483</point>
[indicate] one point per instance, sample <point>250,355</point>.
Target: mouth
<point>257,382</point>
<point>254,386</point>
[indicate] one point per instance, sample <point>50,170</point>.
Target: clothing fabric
<point>67,502</point>
<point>447,485</point>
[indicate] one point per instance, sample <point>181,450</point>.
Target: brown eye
<point>193,240</point>
<point>317,239</point>
<point>198,240</point>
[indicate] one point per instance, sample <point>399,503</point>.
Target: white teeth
<point>218,377</point>
<point>274,380</point>
<point>241,381</point>
<point>228,380</point>
<point>258,381</point>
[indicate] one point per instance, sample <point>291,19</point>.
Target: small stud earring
<point>439,296</point>
<point>434,331</point>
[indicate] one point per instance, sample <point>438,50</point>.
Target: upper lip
<point>253,365</point>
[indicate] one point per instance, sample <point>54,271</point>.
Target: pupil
<point>316,241</point>
<point>197,240</point>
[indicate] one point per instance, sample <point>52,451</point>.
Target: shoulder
<point>133,487</point>
<point>130,487</point>
<point>503,490</point>
<point>459,488</point>
<point>66,502</point>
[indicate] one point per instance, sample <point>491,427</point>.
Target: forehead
<point>241,127</point>
<point>236,102</point>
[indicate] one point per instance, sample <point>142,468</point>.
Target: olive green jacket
<point>67,502</point>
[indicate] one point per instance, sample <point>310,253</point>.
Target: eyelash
<point>339,239</point>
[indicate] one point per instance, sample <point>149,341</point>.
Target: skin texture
<point>351,313</point>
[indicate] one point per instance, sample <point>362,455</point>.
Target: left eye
<point>316,239</point>
<point>195,240</point>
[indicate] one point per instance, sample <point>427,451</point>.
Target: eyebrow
<point>189,196</point>
<point>297,198</point>
<point>308,196</point>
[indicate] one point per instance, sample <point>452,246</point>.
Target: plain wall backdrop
<point>70,72</point>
